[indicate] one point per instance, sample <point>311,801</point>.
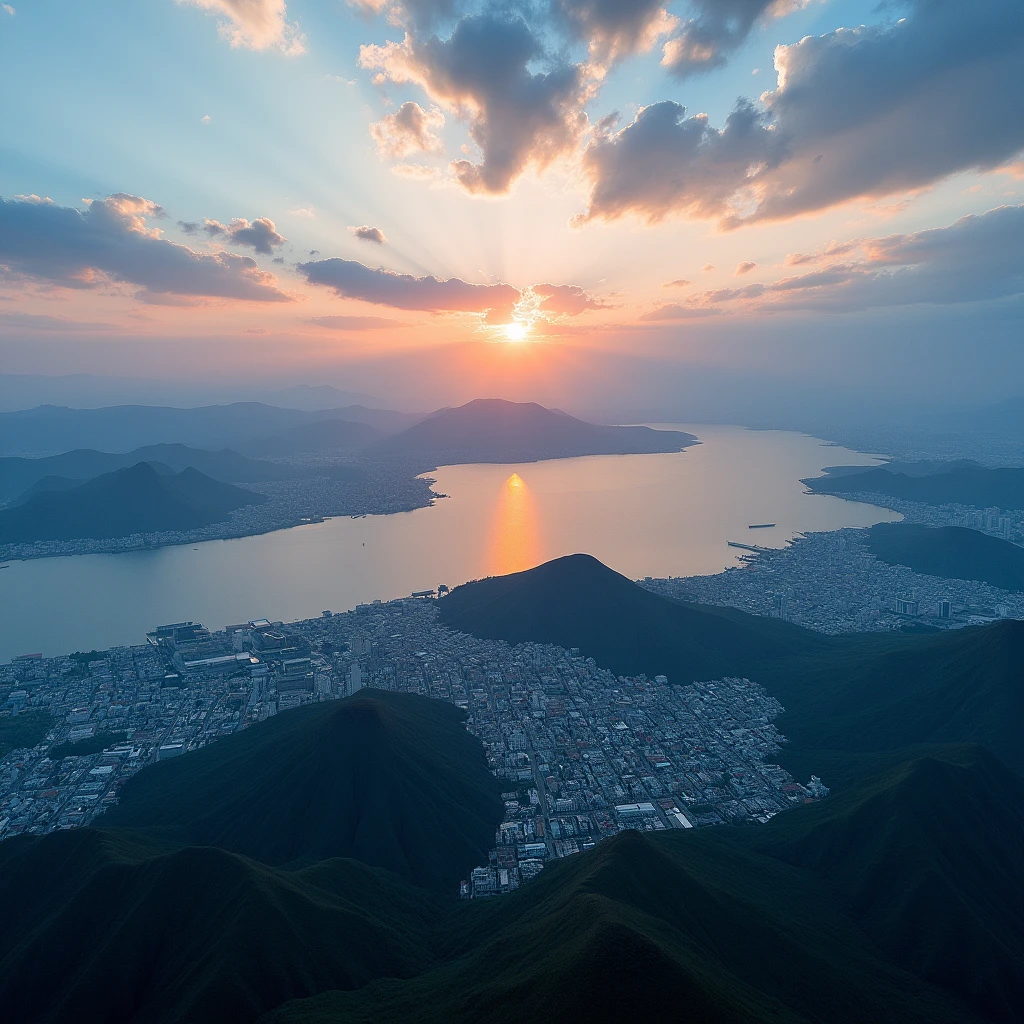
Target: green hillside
<point>393,780</point>
<point>950,552</point>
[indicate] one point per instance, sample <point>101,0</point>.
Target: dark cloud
<point>260,234</point>
<point>354,323</point>
<point>977,258</point>
<point>856,112</point>
<point>483,73</point>
<point>111,241</point>
<point>565,299</point>
<point>403,291</point>
<point>368,234</point>
<point>717,28</point>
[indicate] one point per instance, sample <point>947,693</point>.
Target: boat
<point>760,526</point>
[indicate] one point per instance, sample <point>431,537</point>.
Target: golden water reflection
<point>514,541</point>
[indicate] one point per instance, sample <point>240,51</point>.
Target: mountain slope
<point>1003,488</point>
<point>134,500</point>
<point>950,552</point>
<point>314,437</point>
<point>869,908</point>
<point>576,601</point>
<point>492,430</point>
<point>390,779</point>
<point>108,926</point>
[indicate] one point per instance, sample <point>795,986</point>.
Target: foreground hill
<point>950,552</point>
<point>872,908</point>
<point>393,780</point>
<point>854,693</point>
<point>492,430</point>
<point>18,475</point>
<point>961,485</point>
<point>135,500</point>
<point>576,601</point>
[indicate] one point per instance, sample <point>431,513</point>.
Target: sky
<point>614,203</point>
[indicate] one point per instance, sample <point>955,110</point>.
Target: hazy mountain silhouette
<point>314,437</point>
<point>138,499</point>
<point>493,430</point>
<point>950,552</point>
<point>17,475</point>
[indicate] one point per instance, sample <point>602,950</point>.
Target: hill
<point>393,780</point>
<point>963,485</point>
<point>950,552</point>
<point>492,430</point>
<point>576,601</point>
<point>314,437</point>
<point>105,926</point>
<point>855,693</point>
<point>18,475</point>
<point>790,922</point>
<point>134,500</point>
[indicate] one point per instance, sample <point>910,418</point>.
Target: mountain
<point>393,780</point>
<point>855,693</point>
<point>17,475</point>
<point>576,601</point>
<point>969,485</point>
<point>110,926</point>
<point>950,552</point>
<point>314,437</point>
<point>316,397</point>
<point>492,430</point>
<point>49,430</point>
<point>138,499</point>
<point>870,907</point>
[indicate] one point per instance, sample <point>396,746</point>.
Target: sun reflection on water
<point>514,543</point>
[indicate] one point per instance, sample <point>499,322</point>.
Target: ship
<point>760,526</point>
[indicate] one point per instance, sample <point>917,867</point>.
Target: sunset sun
<point>516,331</point>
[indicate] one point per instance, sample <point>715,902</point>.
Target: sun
<point>516,331</point>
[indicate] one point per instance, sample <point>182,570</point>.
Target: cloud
<point>368,234</point>
<point>306,212</point>
<point>260,234</point>
<point>675,311</point>
<point>410,129</point>
<point>717,29</point>
<point>744,268</point>
<point>679,282</point>
<point>519,118</point>
<point>565,299</point>
<point>111,241</point>
<point>205,119</point>
<point>7,9</point>
<point>354,323</point>
<point>975,259</point>
<point>665,162</point>
<point>614,29</point>
<point>403,291</point>
<point>422,14</point>
<point>255,24</point>
<point>830,251</point>
<point>863,112</point>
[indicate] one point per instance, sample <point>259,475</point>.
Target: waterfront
<point>644,515</point>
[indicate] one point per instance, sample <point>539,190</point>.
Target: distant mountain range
<point>950,552</point>
<point>138,499</point>
<point>492,430</point>
<point>269,874</point>
<point>963,484</point>
<point>17,475</point>
<point>326,435</point>
<point>50,430</point>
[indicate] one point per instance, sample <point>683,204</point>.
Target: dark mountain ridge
<point>138,499</point>
<point>949,552</point>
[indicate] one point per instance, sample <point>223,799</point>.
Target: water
<point>644,515</point>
